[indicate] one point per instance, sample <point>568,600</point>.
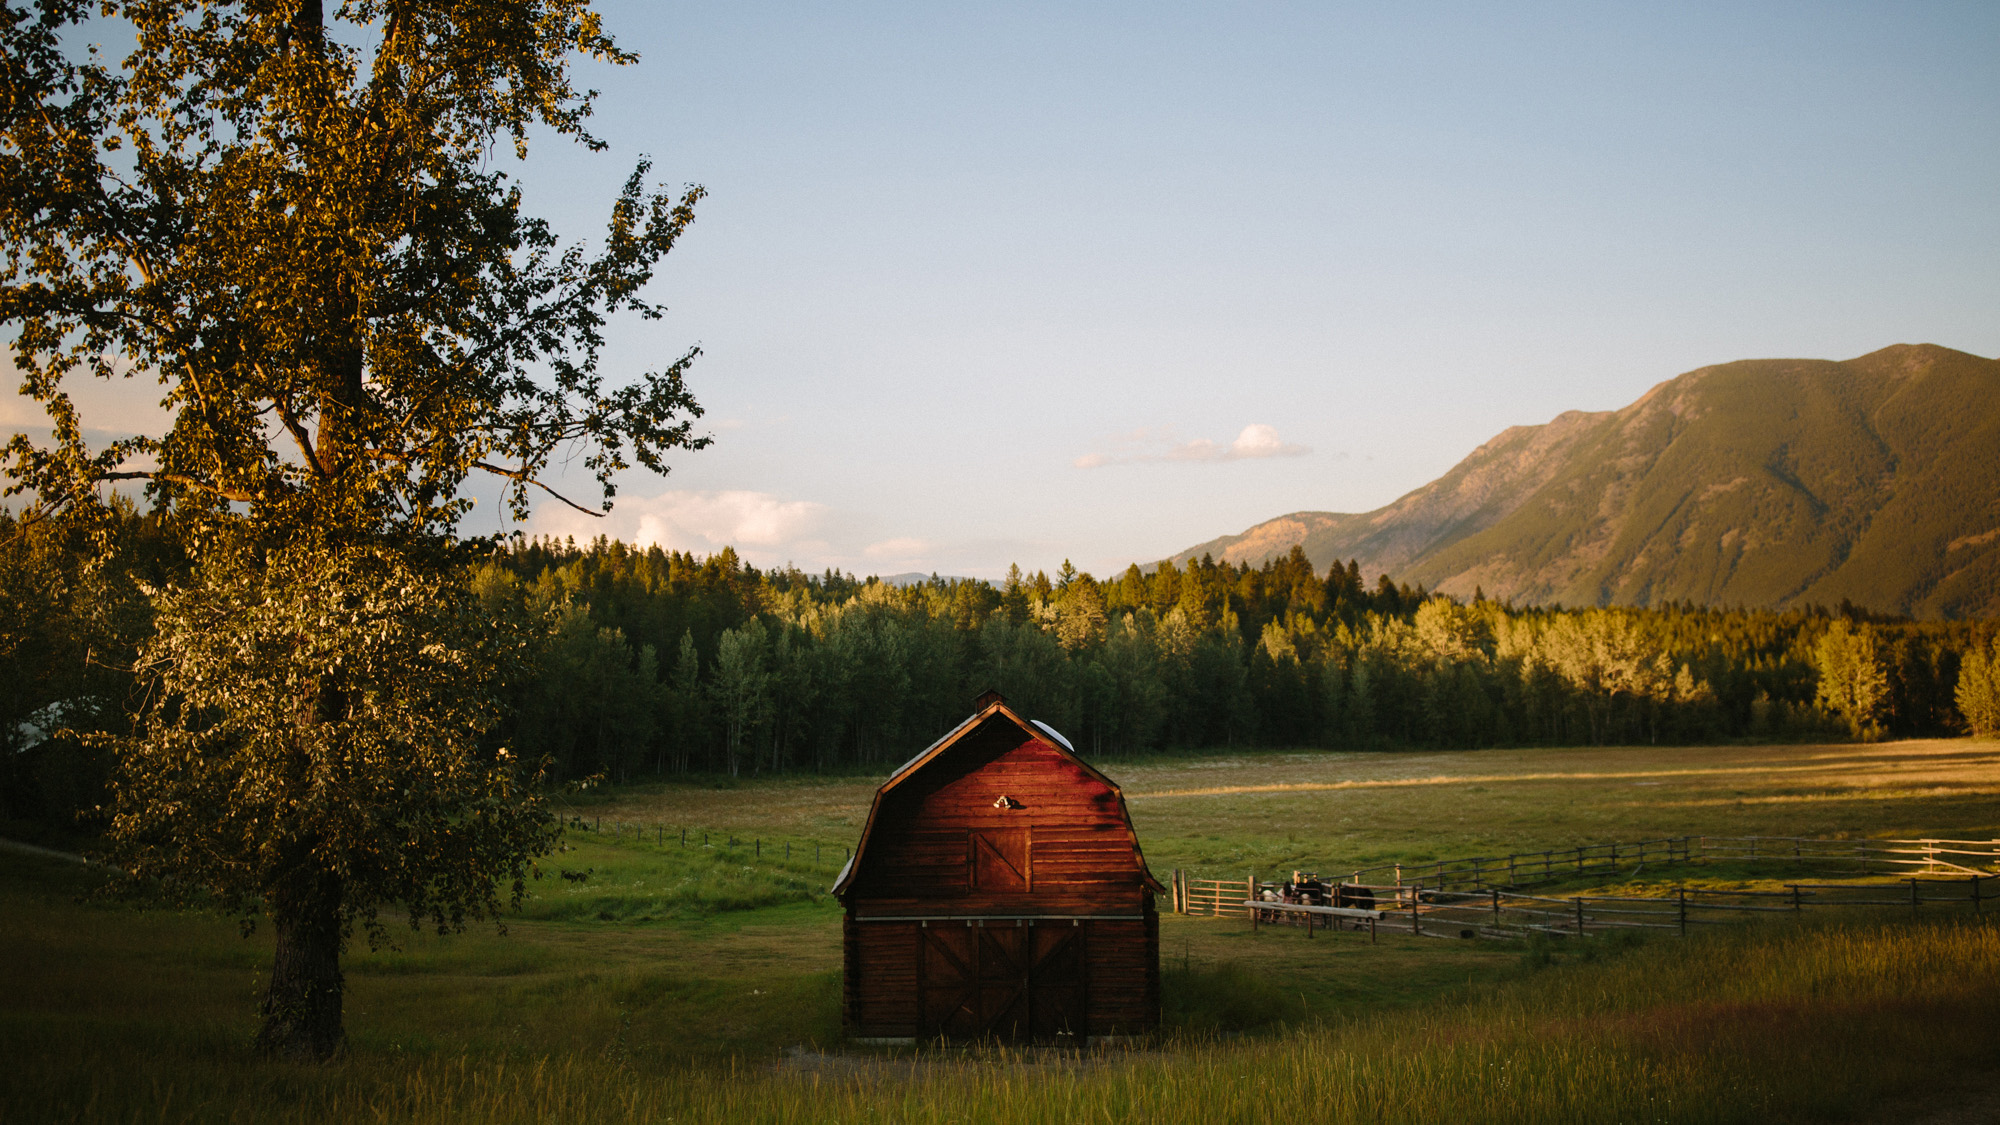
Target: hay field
<point>1276,811</point>
<point>701,984</point>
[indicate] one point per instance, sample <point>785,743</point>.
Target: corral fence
<point>1487,895</point>
<point>1496,913</point>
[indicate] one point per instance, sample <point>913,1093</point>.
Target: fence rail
<point>1418,890</point>
<point>747,845</point>
<point>1495,913</point>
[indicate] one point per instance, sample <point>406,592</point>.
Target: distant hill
<point>917,578</point>
<point>1764,482</point>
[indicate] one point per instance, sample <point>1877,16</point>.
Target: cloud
<point>129,404</point>
<point>1257,440</point>
<point>897,549</point>
<point>702,522</point>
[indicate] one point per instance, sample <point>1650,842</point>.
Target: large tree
<point>287,215</point>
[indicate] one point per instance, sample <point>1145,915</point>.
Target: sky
<point>982,284</point>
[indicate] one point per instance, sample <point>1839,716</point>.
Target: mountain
<point>1764,482</point>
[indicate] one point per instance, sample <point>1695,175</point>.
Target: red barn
<point>998,892</point>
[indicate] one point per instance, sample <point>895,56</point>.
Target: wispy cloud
<point>1257,440</point>
<point>699,521</point>
<point>127,404</point>
<point>772,530</point>
<point>900,550</point>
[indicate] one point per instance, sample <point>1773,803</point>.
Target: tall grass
<point>635,880</point>
<point>1771,1022</point>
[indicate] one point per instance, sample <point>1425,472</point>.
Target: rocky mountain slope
<point>1762,482</point>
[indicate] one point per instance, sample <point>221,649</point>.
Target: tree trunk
<point>302,1004</point>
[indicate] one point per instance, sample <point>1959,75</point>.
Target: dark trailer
<point>998,892</point>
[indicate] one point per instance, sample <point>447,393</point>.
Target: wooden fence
<point>1502,879</point>
<point>746,846</point>
<point>1928,857</point>
<point>1497,913</point>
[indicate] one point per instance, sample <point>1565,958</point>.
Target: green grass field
<point>701,983</point>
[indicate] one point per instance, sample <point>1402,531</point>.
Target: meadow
<point>701,982</point>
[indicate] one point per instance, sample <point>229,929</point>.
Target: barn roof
<point>993,707</point>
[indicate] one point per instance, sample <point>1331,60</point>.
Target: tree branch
<point>524,478</point>
<point>236,494</point>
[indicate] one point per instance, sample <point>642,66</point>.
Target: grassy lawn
<point>637,993</point>
<point>1276,811</point>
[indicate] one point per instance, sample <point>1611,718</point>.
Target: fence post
<point>1683,893</point>
<point>1496,906</point>
<point>1399,874</point>
<point>1416,900</point>
<point>1913,894</point>
<point>1579,915</point>
<point>1798,903</point>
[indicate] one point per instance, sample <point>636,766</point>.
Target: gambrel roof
<point>994,709</point>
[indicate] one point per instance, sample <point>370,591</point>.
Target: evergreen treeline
<point>650,662</point>
<point>716,666</point>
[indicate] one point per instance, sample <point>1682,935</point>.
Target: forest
<point>637,662</point>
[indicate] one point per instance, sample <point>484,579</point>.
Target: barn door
<point>1000,861</point>
<point>1006,980</point>
<point>1056,980</point>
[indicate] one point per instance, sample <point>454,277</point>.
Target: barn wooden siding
<point>999,891</point>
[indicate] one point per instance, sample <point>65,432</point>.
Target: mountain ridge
<point>1767,482</point>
